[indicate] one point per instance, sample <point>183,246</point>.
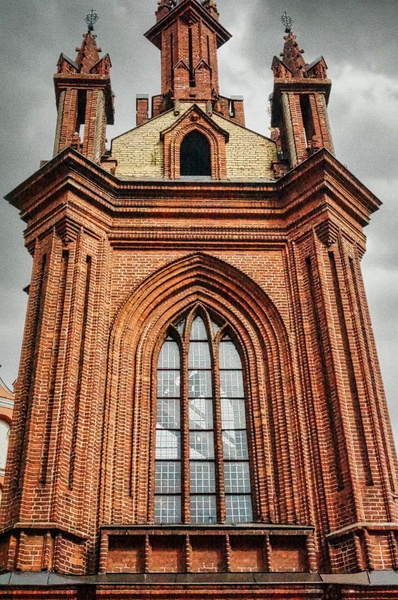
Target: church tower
<point>199,409</point>
<point>84,98</point>
<point>299,102</point>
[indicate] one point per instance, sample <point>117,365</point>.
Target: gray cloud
<point>358,40</point>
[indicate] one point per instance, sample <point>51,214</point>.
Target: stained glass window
<point>201,426</point>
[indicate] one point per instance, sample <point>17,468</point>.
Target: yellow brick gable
<point>139,152</point>
<point>249,154</point>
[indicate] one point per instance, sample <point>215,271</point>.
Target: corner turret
<point>299,118</point>
<point>84,98</point>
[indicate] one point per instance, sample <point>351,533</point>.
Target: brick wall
<point>140,152</point>
<point>115,261</point>
<point>110,273</point>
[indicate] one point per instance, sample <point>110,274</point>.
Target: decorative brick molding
<point>327,232</point>
<point>194,119</point>
<point>195,279</point>
<point>179,549</point>
<point>268,248</point>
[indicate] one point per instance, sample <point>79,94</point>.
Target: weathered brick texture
<point>84,100</point>
<point>125,247</point>
<point>299,104</point>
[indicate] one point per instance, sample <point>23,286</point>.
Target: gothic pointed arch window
<point>202,472</point>
<point>195,155</point>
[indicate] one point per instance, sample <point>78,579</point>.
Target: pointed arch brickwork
<point>136,338</point>
<point>195,119</point>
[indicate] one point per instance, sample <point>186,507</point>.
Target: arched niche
<point>139,331</point>
<point>195,155</point>
<point>199,142</point>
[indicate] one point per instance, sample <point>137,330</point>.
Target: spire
<point>292,64</point>
<point>188,34</point>
<point>84,97</point>
<point>292,56</point>
<point>88,53</point>
<point>299,117</point>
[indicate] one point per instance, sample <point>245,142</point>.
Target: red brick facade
<point>117,262</point>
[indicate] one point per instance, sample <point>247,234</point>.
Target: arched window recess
<point>202,470</point>
<point>195,155</point>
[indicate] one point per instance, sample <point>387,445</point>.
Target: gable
<point>144,152</point>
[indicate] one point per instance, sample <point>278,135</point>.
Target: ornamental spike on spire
<point>91,19</point>
<point>88,53</point>
<point>292,55</point>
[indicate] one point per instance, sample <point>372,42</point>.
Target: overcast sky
<point>358,40</point>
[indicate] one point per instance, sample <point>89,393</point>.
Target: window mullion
<point>185,447</point>
<point>218,443</point>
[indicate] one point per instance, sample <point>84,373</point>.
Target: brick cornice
<point>302,85</point>
<point>322,171</point>
<point>320,192</point>
<point>53,176</point>
<point>361,526</point>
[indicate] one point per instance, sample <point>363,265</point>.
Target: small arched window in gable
<point>195,155</point>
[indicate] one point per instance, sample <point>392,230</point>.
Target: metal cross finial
<point>287,22</point>
<point>91,19</point>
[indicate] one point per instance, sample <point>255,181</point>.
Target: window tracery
<point>202,472</point>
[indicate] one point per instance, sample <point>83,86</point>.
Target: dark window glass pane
<point>169,356</point>
<point>168,414</point>
<point>168,384</point>
<point>167,477</point>
<point>235,445</point>
<point>199,355</point>
<point>239,509</point>
<point>229,356</point>
<point>168,444</point>
<point>201,445</point>
<point>237,478</point>
<point>167,509</point>
<point>203,478</point>
<point>200,414</point>
<point>195,155</point>
<point>231,383</point>
<point>233,414</point>
<point>203,509</point>
<point>199,384</point>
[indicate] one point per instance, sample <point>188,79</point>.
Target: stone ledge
<point>47,579</point>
